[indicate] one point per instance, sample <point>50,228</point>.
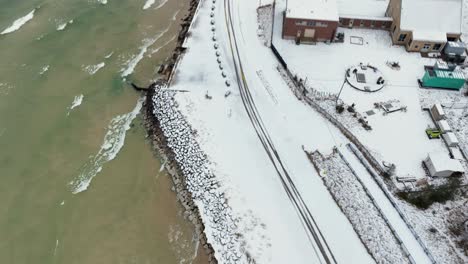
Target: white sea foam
<point>92,69</point>
<point>44,69</point>
<point>175,15</point>
<point>18,23</point>
<point>77,101</point>
<point>109,55</point>
<point>161,4</point>
<point>162,46</point>
<point>162,167</point>
<point>113,143</point>
<point>56,246</point>
<point>5,88</point>
<point>62,203</point>
<point>133,62</point>
<point>62,26</point>
<point>148,4</point>
<point>102,2</point>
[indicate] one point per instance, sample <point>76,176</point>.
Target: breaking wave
<point>76,102</point>
<point>64,25</point>
<point>92,69</point>
<point>113,143</point>
<point>163,2</point>
<point>18,23</point>
<point>148,4</point>
<point>44,69</point>
<point>133,62</point>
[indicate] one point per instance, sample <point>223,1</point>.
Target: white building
<point>451,139</point>
<point>444,126</point>
<point>440,165</point>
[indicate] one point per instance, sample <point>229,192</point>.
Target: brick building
<point>317,20</point>
<point>310,20</point>
<point>425,26</point>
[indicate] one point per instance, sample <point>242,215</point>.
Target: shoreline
<point>159,142</point>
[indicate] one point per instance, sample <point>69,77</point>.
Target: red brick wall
<point>290,29</point>
<point>366,23</point>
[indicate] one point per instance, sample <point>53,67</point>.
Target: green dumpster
<point>443,79</point>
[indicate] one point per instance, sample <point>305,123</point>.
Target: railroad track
<point>314,234</point>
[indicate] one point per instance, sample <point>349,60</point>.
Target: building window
<point>372,23</point>
<point>321,24</point>
<point>402,37</point>
<point>451,39</point>
<point>361,24</point>
<point>311,23</point>
<point>416,46</point>
<point>426,46</point>
<point>436,46</point>
<point>301,23</point>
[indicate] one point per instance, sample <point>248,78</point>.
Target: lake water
<point>79,182</point>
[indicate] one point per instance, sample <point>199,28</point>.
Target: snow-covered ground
<point>324,66</point>
<point>398,137</point>
<point>359,207</point>
<point>238,160</point>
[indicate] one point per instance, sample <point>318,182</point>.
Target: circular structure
<point>366,78</point>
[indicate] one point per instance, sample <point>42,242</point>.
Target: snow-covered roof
<point>429,19</point>
<point>431,36</point>
<point>312,9</point>
<point>362,8</point>
<point>450,138</point>
<point>439,109</point>
<point>444,126</point>
<point>441,162</point>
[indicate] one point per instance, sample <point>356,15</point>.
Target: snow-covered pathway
<point>400,227</point>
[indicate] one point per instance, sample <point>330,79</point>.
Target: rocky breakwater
<point>196,186</point>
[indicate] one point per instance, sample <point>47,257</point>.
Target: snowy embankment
<point>205,190</point>
<point>434,227</point>
<point>359,208</point>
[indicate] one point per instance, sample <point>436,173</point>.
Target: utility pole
<point>342,86</point>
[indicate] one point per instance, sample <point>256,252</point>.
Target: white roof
<point>429,19</point>
<point>442,162</point>
<point>444,125</point>
<point>450,138</point>
<point>312,9</point>
<point>362,8</point>
<point>430,36</point>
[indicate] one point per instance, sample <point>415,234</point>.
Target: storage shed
<point>444,79</point>
<point>440,165</point>
<point>455,52</point>
<point>437,112</point>
<point>451,139</point>
<point>444,126</point>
